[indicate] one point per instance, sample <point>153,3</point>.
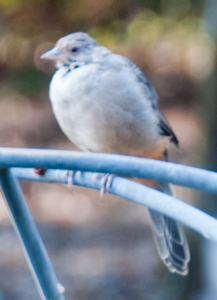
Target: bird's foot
<point>70,179</point>
<point>106,180</point>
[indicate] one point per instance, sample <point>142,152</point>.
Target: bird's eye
<point>74,49</point>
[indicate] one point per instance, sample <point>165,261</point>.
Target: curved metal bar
<point>33,247</point>
<point>137,193</point>
<point>110,163</point>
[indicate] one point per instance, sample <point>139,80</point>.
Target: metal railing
<point>19,163</point>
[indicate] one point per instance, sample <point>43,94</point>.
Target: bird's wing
<point>150,94</point>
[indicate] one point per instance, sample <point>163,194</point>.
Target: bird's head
<point>73,50</point>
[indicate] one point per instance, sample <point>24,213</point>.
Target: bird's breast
<point>103,112</point>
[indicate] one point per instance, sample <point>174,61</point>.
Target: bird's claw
<point>105,184</point>
<point>70,179</point>
<point>106,180</point>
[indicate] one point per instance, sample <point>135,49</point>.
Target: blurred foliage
<point>160,35</point>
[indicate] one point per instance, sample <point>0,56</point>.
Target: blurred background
<point>104,249</point>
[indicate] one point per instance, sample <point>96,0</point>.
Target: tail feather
<point>170,239</point>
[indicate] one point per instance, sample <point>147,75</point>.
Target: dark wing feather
<point>167,130</point>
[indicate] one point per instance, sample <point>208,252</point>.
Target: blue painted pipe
<point>137,193</point>
<point>110,163</point>
<point>31,241</point>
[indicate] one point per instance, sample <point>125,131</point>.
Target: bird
<point>104,103</point>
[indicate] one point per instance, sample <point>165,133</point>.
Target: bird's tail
<point>170,239</point>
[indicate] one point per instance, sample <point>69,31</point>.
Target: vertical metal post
<point>26,229</point>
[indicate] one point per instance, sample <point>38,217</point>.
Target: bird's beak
<point>52,54</point>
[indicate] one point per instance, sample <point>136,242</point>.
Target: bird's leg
<point>106,180</point>
<point>70,179</point>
